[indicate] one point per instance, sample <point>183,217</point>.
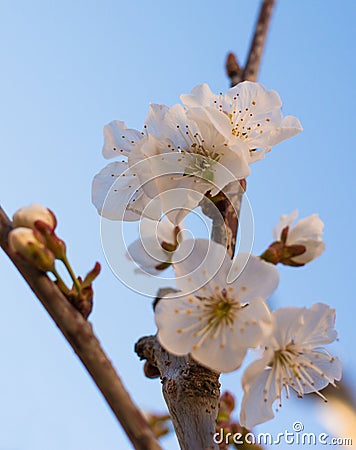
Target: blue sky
<point>68,68</point>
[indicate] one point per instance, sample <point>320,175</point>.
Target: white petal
<point>215,354</point>
<point>207,262</point>
<point>178,193</point>
<point>307,232</point>
<point>243,94</point>
<point>154,118</point>
<point>318,326</point>
<point>288,323</point>
<point>113,191</point>
<point>146,257</point>
<point>253,324</point>
<point>286,220</point>
<point>166,232</point>
<point>200,95</point>
<point>273,135</point>
<point>141,162</point>
<point>232,166</point>
<point>252,277</point>
<point>147,251</point>
<point>310,228</point>
<point>254,410</point>
<point>219,121</point>
<point>330,367</point>
<point>118,139</point>
<point>175,127</point>
<point>177,322</point>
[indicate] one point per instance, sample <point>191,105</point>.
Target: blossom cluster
<point>197,150</point>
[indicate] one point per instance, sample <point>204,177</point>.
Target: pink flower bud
<point>27,216</point>
<point>28,244</point>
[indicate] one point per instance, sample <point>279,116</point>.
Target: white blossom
<point>307,231</point>
<point>153,251</point>
<point>247,113</point>
<point>208,154</point>
<point>213,320</point>
<point>294,359</point>
<point>203,146</point>
<point>28,215</point>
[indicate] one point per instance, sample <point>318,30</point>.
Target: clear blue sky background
<point>70,67</point>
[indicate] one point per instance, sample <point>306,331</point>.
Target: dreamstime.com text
<point>297,436</point>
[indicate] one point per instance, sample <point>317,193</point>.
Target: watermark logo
<point>296,436</point>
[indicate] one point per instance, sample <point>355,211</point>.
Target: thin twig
<point>258,42</point>
<point>236,75</point>
<point>233,69</point>
<point>80,335</point>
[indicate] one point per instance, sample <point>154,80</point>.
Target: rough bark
<point>80,335</point>
<point>225,215</point>
<point>190,391</point>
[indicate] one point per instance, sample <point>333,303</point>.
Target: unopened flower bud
<point>53,242</point>
<point>28,244</point>
<point>27,216</point>
<point>227,402</point>
<point>307,232</point>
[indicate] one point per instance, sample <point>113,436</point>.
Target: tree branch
<point>258,42</point>
<point>190,391</point>
<point>225,215</point>
<point>79,333</point>
<point>250,72</point>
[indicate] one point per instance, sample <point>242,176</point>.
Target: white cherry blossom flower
<point>294,359</point>
<point>28,215</point>
<point>248,113</point>
<point>213,320</point>
<point>203,146</point>
<point>153,251</point>
<point>124,189</point>
<point>307,232</point>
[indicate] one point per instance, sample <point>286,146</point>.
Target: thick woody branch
<point>190,391</point>
<point>80,335</point>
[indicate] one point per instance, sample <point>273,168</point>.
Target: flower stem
<point>71,273</point>
<point>61,284</point>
